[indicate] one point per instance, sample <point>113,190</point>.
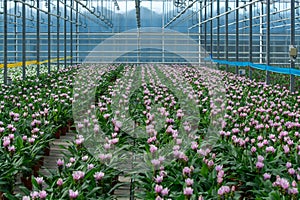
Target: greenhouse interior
<point>149,99</point>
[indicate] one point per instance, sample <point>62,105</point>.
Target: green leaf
<point>275,195</point>
<point>204,171</point>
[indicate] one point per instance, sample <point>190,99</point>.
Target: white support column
<point>199,32</point>
<point>261,34</point>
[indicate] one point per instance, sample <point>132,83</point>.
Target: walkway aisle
<point>56,152</point>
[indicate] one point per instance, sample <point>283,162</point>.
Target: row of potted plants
<point>248,159</point>
<point>275,78</point>
<point>15,73</point>
<point>195,133</point>
<point>32,111</point>
<point>79,174</point>
<point>252,153</point>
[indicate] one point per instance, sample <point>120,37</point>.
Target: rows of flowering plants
<point>27,126</point>
<point>262,124</point>
<point>252,152</point>
<point>79,174</point>
<point>275,78</point>
<point>15,73</point>
<point>178,132</point>
<point>33,112</point>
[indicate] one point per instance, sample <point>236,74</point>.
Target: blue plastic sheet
<point>280,70</point>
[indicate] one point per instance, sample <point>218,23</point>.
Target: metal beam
<point>292,62</point>
<point>138,13</point>
<point>211,29</point>
<point>71,34</point>
<point>205,27</point>
<point>261,34</point>
<point>105,20</point>
<point>250,38</point>
<point>163,34</point>
<point>268,40</point>
<point>41,10</point>
<point>264,15</point>
<point>57,34</point>
<point>199,33</point>
<point>218,32</point>
<point>116,4</point>
<point>5,41</point>
<point>77,34</point>
<point>38,38</point>
<point>226,33</point>
<point>225,13</point>
<point>49,38</point>
<point>189,15</point>
<point>237,35</point>
<point>180,13</point>
<point>47,13</point>
<point>65,34</point>
<point>23,40</point>
<point>15,31</point>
